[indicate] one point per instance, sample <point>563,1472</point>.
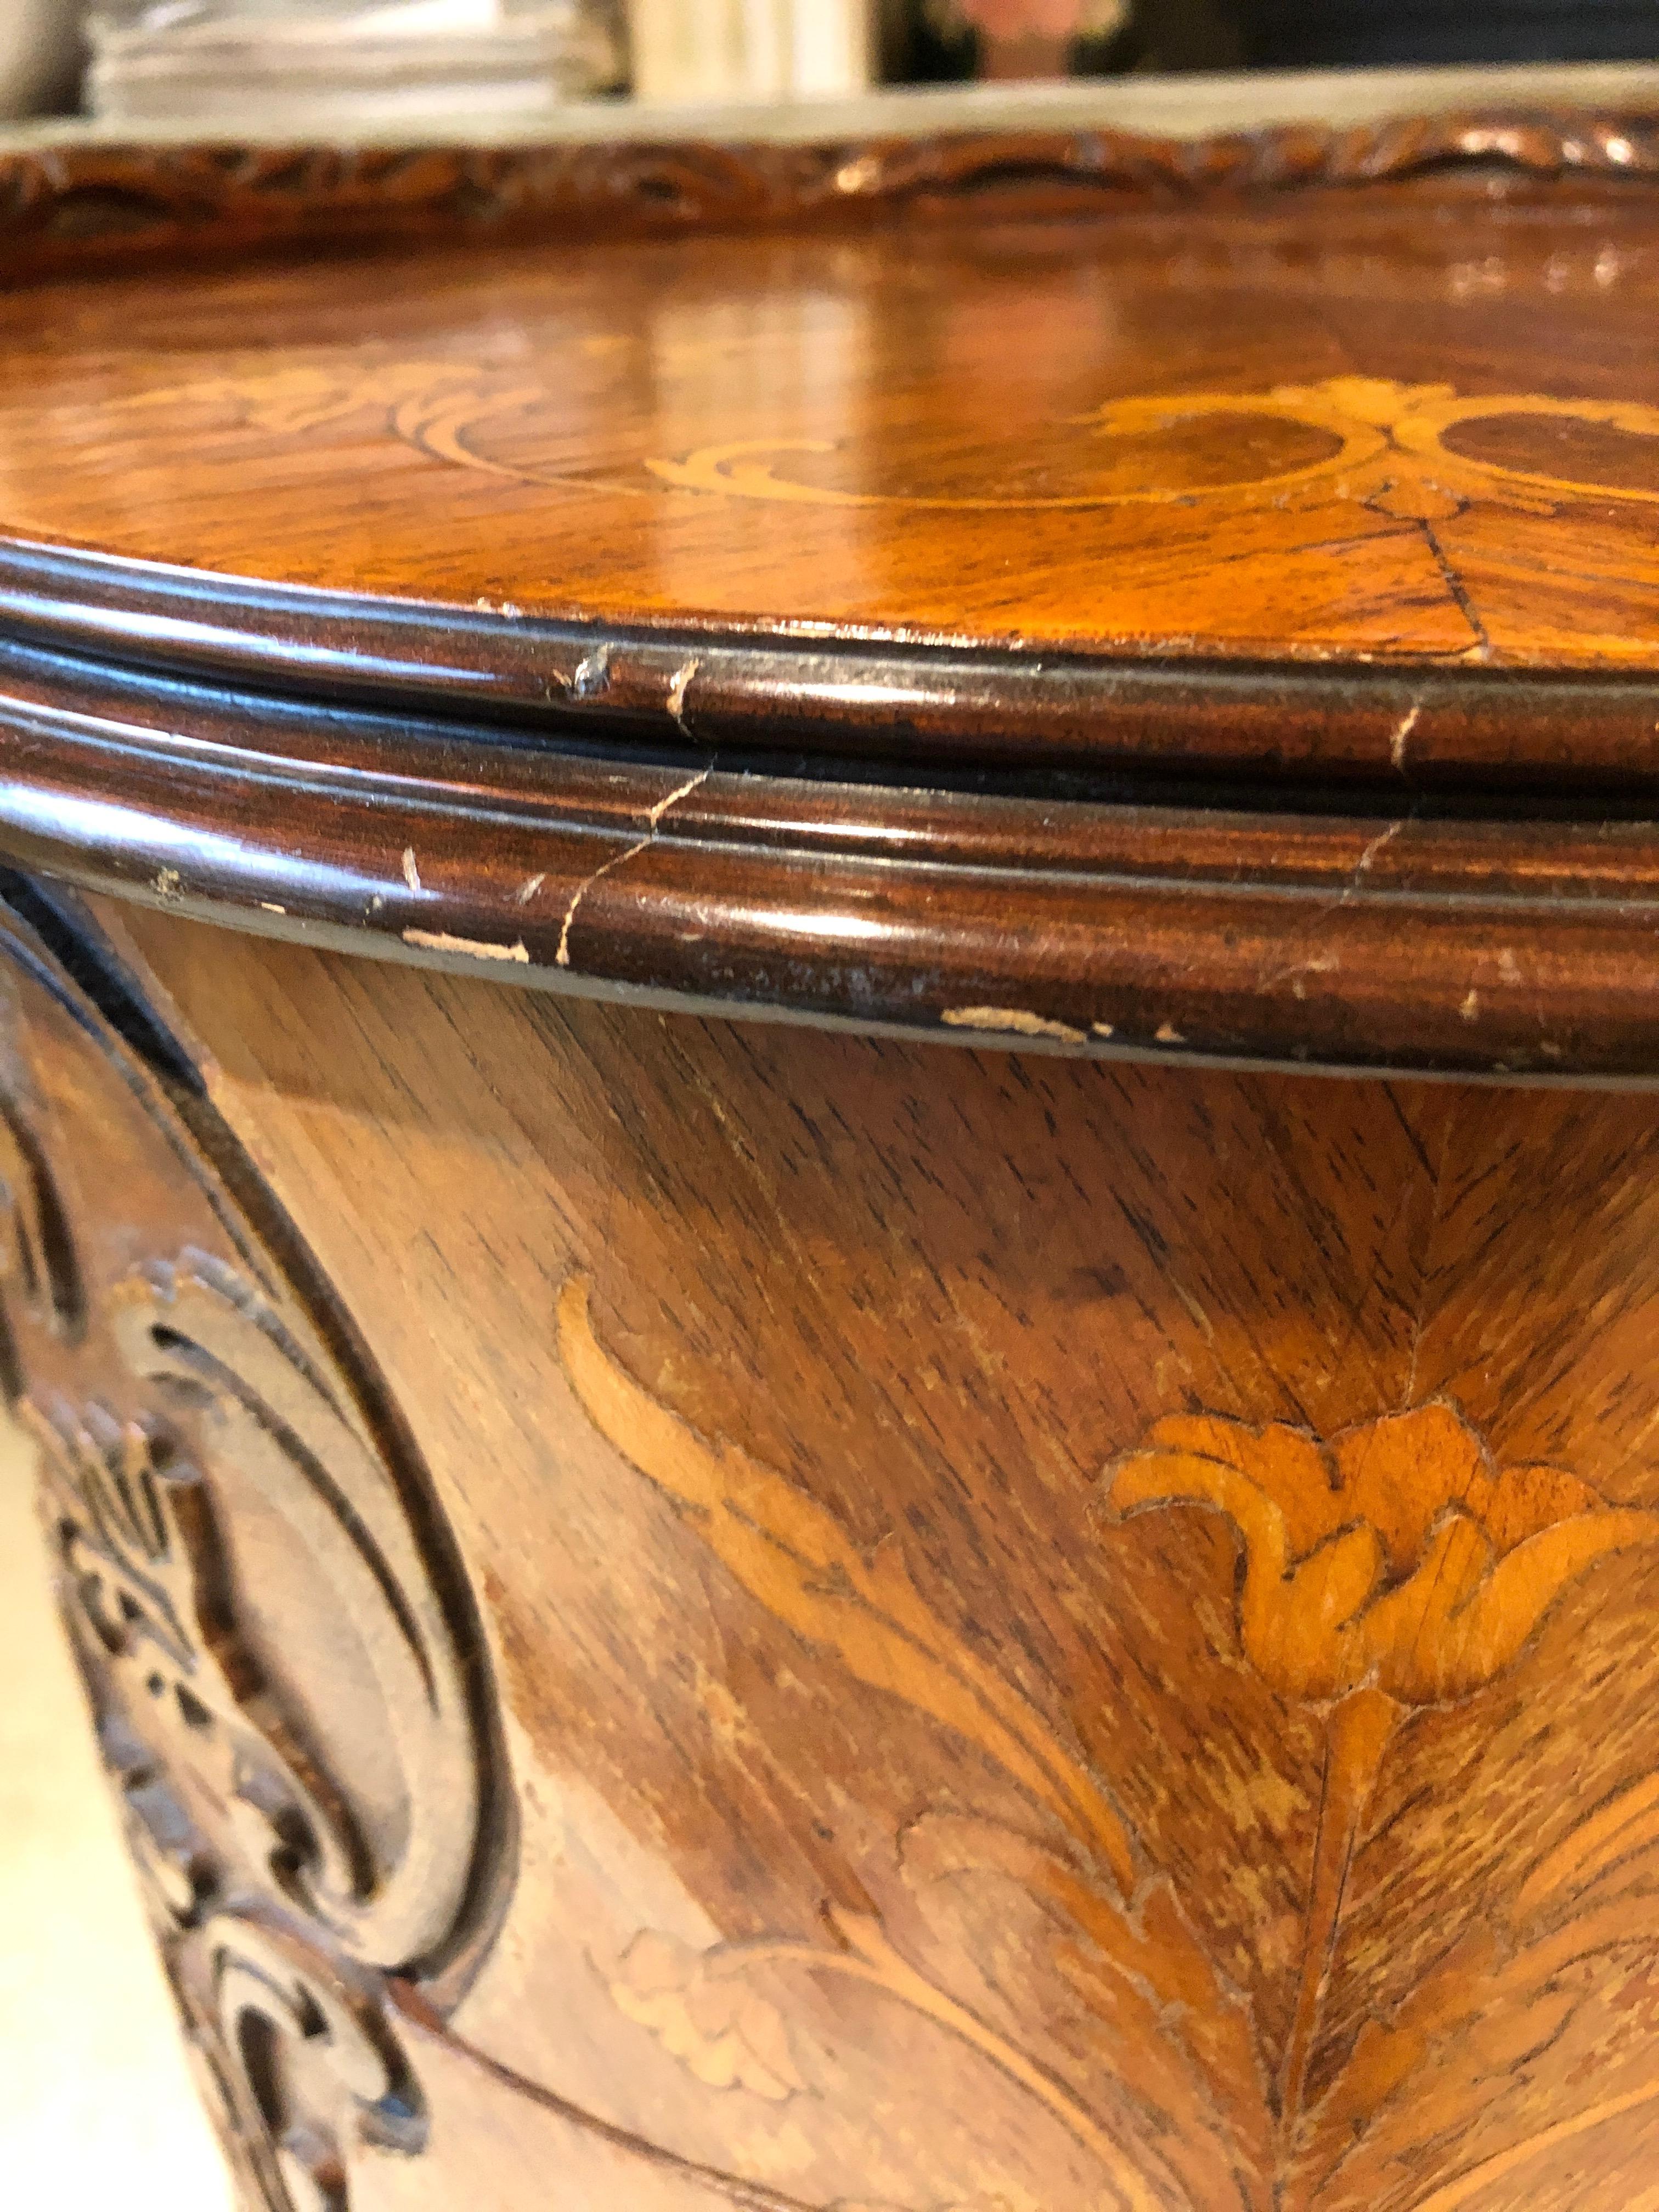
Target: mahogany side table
<point>830,1175</point>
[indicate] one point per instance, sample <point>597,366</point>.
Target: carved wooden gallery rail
<point>95,201</point>
<point>980,1595</point>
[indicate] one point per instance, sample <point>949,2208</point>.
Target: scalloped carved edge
<point>104,201</point>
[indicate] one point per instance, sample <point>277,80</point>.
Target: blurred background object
<point>307,67</point>
<point>312,64</point>
<point>1001,40</point>
<point>714,50</point>
<point>1377,33</point>
<point>40,54</point>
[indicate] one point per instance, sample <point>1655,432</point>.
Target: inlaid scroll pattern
<point>1393,447</point>
<point>1391,1570</point>
<point>200,1464</point>
<point>1389,453</point>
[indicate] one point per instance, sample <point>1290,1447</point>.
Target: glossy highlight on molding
<point>1365,935</point>
<point>1317,936</point>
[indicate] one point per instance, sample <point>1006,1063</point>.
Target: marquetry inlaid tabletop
<point>1403,420</point>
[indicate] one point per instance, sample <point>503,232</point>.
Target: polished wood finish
<point>1308,430</point>
<point>1282,631</point>
<point>1348,931</point>
<point>1069,1635</point>
<point>708,1611</point>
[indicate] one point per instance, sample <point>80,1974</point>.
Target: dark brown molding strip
<point>1367,937</point>
<point>919,709</point>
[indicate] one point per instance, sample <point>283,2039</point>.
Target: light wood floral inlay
<point>1394,1567</point>
<point>1390,1570</point>
<point>1389,443</point>
<point>1396,1557</point>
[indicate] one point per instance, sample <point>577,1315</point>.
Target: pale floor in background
<point>97,2105</point>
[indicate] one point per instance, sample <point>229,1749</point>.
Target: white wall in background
<point>98,2112</point>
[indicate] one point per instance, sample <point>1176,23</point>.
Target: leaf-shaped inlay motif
<point>1391,1568</point>
<point>730,2037</point>
<point>799,1561</point>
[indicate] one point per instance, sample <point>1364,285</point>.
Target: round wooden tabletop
<point>1383,427</point>
<point>1224,621</point>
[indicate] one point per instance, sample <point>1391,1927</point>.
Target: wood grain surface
<point>1071,1636</point>
<point>756,1615</point>
<point>1224,629</point>
<point>1416,421</point>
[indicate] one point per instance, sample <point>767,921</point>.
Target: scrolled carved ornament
<point>281,1663</point>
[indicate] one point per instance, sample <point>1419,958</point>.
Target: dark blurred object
<point>1168,37</point>
<point>1370,34</point>
<point>1005,40</point>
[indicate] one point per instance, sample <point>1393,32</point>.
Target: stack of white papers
<point>322,64</point>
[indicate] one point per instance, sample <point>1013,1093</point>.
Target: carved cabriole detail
<point>72,203</point>
<point>1389,1571</point>
<point>202,1338</point>
<point>276,1655</point>
<point>310,2065</point>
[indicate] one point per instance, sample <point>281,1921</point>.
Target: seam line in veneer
<point>755,2196</point>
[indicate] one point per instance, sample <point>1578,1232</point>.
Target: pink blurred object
<point>1024,19</point>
